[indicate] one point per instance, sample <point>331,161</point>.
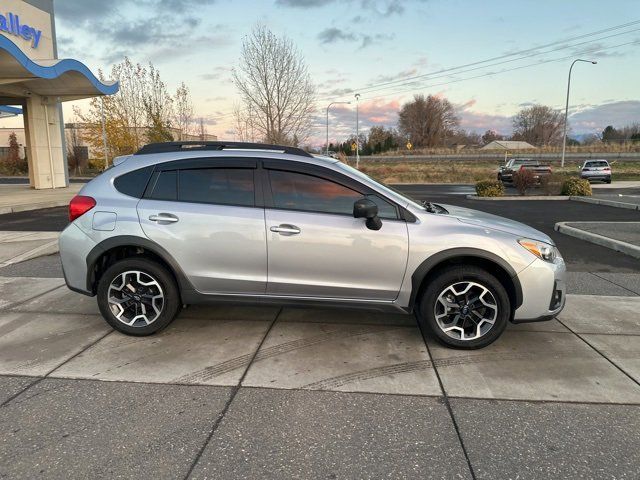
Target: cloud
<point>333,35</point>
<point>303,3</point>
<point>381,7</point>
<point>480,122</point>
<point>594,118</point>
<point>81,10</point>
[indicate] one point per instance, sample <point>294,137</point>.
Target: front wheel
<point>138,296</point>
<point>465,307</point>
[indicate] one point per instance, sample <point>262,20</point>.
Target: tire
<point>151,281</point>
<point>608,179</point>
<point>458,278</point>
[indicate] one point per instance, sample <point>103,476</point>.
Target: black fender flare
<point>434,260</point>
<point>132,241</point>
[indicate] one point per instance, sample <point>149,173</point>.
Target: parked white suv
<point>596,170</point>
<point>184,223</point>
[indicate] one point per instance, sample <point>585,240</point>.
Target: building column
<point>44,143</point>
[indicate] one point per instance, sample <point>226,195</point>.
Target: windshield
<point>381,186</point>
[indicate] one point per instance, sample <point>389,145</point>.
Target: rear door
<point>316,248</point>
<point>207,214</point>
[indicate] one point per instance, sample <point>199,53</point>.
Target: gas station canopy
<point>64,80</point>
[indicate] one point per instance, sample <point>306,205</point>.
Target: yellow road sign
<point>409,145</point>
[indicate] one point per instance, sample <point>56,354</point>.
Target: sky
<point>351,46</point>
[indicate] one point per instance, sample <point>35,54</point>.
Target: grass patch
<point>443,171</point>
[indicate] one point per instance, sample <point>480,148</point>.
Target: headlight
<point>541,250</point>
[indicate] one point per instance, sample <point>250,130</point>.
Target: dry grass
<point>471,172</point>
<point>628,147</point>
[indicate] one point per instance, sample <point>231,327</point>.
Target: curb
<point>33,206</point>
<point>608,203</point>
<point>518,197</point>
<point>617,245</point>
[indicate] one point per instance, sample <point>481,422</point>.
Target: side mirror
<point>365,208</point>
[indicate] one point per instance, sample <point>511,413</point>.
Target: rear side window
<point>133,183</point>
<point>166,187</point>
<point>222,186</point>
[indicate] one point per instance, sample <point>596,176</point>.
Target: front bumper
<point>544,291</point>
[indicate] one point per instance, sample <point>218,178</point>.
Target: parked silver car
<point>596,170</point>
<point>183,223</point>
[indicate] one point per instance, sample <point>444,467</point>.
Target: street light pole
<point>566,108</point>
<point>328,106</point>
<point>357,131</point>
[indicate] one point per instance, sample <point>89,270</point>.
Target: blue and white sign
<point>10,23</point>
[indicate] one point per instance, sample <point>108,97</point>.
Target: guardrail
<point>499,157</point>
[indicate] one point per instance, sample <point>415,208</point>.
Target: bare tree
<point>183,115</point>
<point>426,122</point>
<point>275,86</point>
<point>490,136</point>
<point>539,125</point>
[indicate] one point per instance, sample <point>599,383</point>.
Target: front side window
<point>222,186</point>
<point>297,191</point>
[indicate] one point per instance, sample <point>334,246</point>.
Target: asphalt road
<point>580,256</point>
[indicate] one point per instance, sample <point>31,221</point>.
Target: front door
<point>207,220</point>
<point>317,249</point>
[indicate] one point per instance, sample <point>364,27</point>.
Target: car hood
<point>494,222</point>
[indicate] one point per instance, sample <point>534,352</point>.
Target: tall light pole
<point>357,132</point>
<point>566,108</point>
<point>332,103</point>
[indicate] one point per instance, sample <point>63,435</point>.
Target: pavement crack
<point>447,403</point>
<point>599,352</point>
<point>232,396</point>
<point>616,284</point>
<point>46,375</point>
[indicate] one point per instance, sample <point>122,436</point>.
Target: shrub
<point>490,188</point>
<point>551,184</point>
<point>576,187</point>
<point>96,164</point>
<point>523,180</point>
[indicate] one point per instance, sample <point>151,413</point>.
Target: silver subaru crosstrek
<point>185,223</point>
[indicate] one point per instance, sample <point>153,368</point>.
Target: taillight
<point>80,205</point>
<point>607,169</point>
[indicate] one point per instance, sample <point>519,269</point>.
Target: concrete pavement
<point>22,198</point>
<point>246,392</point>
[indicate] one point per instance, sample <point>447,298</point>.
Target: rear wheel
<point>138,296</point>
<point>608,180</point>
<point>465,307</point>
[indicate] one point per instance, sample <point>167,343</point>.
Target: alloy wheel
<point>135,298</point>
<point>466,310</point>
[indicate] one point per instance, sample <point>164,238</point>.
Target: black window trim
<point>323,174</point>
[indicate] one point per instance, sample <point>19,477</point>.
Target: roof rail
<point>166,147</point>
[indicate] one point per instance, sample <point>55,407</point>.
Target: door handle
<point>286,229</point>
<point>163,218</point>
